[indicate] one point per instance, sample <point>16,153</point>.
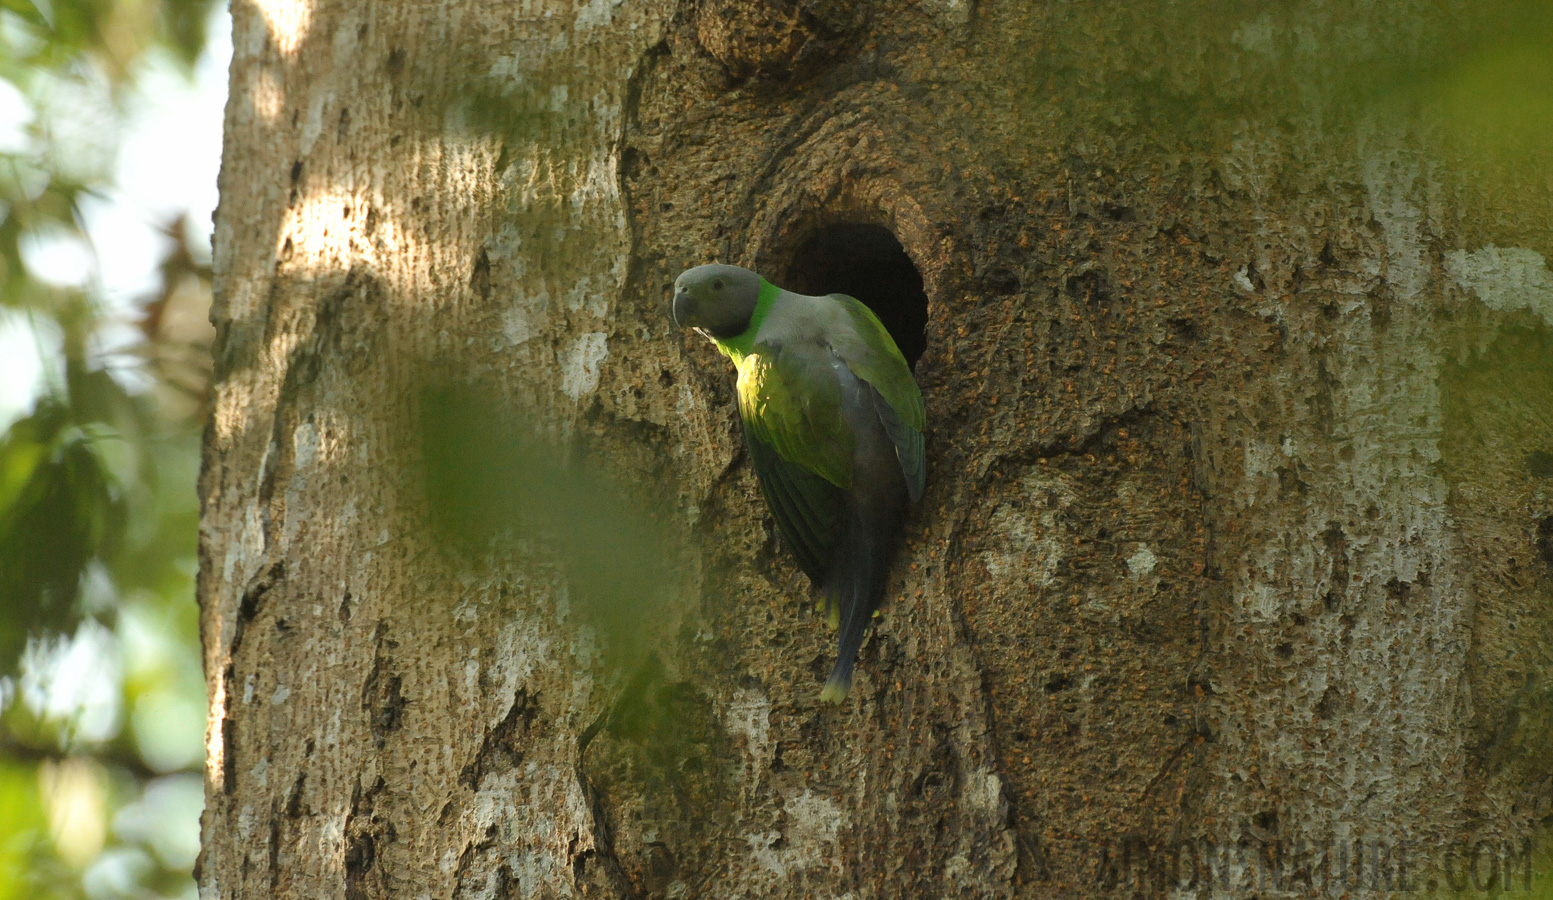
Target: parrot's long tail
<point>856,585</point>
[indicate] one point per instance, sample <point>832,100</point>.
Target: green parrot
<point>833,421</point>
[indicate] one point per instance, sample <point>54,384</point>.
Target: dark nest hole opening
<point>866,262</point>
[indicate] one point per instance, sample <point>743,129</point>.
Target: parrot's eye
<point>717,284</point>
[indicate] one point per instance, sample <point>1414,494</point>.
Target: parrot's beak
<point>684,304</point>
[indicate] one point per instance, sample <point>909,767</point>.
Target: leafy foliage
<point>59,507</point>
<point>101,692</point>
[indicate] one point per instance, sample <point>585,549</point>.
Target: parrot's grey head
<point>716,300</point>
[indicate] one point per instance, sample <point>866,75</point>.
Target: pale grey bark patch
<point>1505,279</point>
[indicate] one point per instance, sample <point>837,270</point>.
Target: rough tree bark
<point>1238,541</point>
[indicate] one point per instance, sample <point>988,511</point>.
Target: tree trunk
<point>1234,564</point>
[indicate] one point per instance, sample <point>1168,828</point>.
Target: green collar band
<point>740,345</point>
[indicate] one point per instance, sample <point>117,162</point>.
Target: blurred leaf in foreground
<point>60,506</point>
<point>489,476</point>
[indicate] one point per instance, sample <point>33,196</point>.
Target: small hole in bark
<point>1267,821</point>
<point>866,262</point>
<point>1327,703</point>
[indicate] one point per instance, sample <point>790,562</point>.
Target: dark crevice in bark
<point>937,778</point>
<point>228,736</point>
<point>500,750</point>
<point>274,849</point>
<point>344,333</point>
<point>497,882</point>
<point>295,808</point>
<point>632,696</point>
<point>1167,766</point>
<point>382,697</point>
<point>1335,540</point>
<point>363,834</point>
<point>600,859</point>
<point>1328,704</point>
<point>1030,861</point>
<point>480,276</point>
<point>266,580</point>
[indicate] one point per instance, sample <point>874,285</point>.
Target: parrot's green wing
<point>908,446</point>
<point>800,443</point>
<point>805,505</point>
<point>872,355</point>
<point>789,398</point>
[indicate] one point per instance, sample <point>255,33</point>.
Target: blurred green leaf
<point>1502,96</point>
<point>61,505</point>
<point>23,832</point>
<point>490,477</point>
<point>98,516</point>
